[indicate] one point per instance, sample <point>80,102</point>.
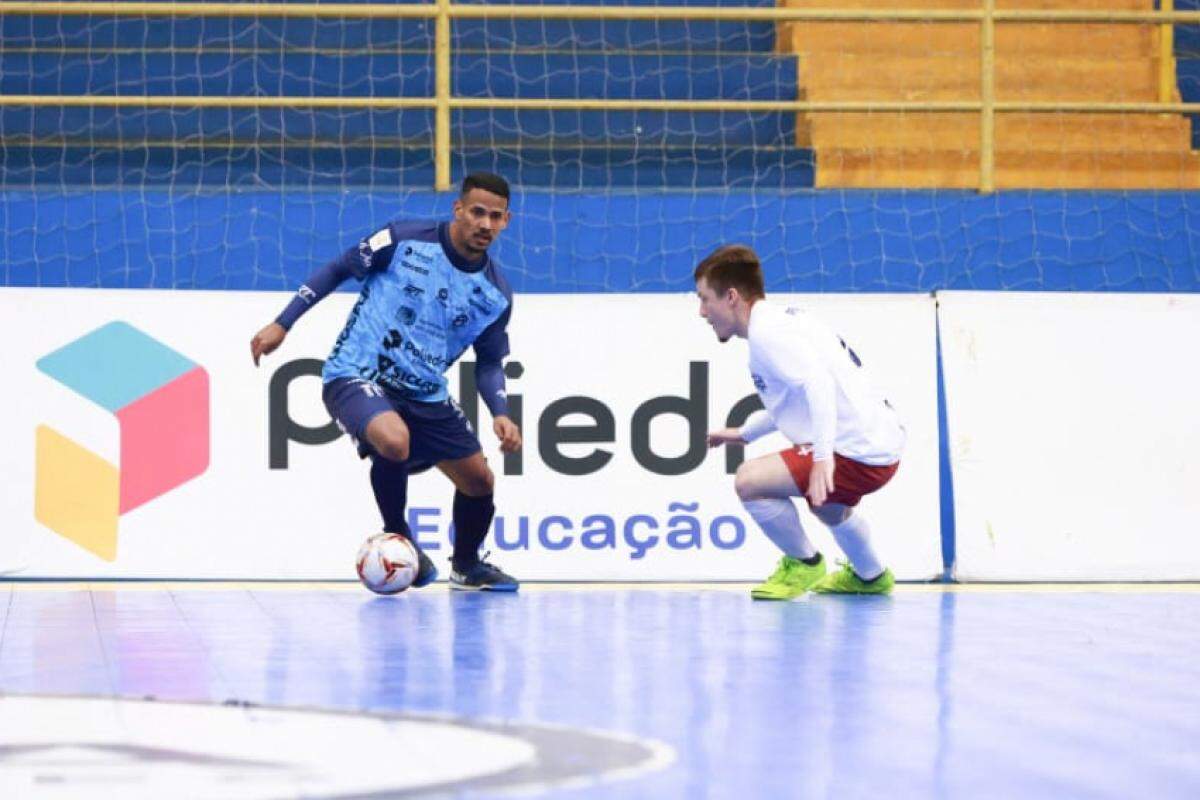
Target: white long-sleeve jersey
<point>815,390</point>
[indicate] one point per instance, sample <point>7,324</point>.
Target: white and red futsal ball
<point>387,563</point>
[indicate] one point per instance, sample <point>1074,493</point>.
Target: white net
<point>243,197</point>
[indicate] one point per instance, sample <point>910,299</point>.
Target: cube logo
<point>161,401</point>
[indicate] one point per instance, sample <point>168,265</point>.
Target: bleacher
<point>394,58</point>
<point>1047,62</point>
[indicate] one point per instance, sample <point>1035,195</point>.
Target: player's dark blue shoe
<point>481,577</point>
<point>426,571</point>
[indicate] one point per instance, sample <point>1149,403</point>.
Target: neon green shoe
<point>790,579</point>
<point>845,581</point>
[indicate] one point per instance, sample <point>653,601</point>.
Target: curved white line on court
<point>66,747</point>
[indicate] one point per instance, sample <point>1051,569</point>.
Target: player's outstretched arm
<point>490,348</point>
<point>267,341</point>
<point>725,436</point>
<point>371,254</point>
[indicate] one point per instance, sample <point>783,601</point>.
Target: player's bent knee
<point>744,483</point>
<point>388,436</point>
<point>393,447</point>
<point>479,484</point>
<point>394,452</point>
<point>833,513</point>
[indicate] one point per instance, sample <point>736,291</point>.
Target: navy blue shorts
<point>438,431</point>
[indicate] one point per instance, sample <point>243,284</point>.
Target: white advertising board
<point>1073,425</point>
<point>243,517</point>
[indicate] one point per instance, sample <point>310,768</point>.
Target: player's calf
<point>832,513</point>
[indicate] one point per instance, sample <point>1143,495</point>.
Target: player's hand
<point>508,433</point>
<point>267,341</point>
<point>820,481</point>
<point>725,436</point>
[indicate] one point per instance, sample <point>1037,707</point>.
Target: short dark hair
<point>488,181</point>
<point>734,266</point>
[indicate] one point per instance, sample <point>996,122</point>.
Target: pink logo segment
<point>164,439</point>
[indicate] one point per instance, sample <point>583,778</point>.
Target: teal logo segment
<point>114,365</point>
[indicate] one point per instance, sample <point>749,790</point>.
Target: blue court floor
<point>956,692</point>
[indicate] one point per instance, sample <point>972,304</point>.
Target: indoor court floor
<point>274,690</point>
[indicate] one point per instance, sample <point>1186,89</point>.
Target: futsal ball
<point>387,563</point>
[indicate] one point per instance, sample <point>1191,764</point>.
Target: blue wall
<point>621,241</point>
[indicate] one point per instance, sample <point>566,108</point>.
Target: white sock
<point>780,522</point>
<point>854,537</point>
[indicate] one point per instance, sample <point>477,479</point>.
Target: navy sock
<point>472,518</point>
<point>389,479</point>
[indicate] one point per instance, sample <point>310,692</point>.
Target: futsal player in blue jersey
<point>429,291</point>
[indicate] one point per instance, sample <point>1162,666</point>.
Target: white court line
<point>538,587</point>
<point>63,748</point>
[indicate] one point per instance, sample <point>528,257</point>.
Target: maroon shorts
<point>851,479</point>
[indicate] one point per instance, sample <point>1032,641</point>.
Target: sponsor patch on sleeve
<point>380,240</point>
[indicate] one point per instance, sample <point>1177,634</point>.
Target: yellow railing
<point>443,101</point>
<point>1166,55</point>
<point>987,94</point>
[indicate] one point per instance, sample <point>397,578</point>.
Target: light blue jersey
<point>421,306</point>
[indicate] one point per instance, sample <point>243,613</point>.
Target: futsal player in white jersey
<point>846,438</point>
